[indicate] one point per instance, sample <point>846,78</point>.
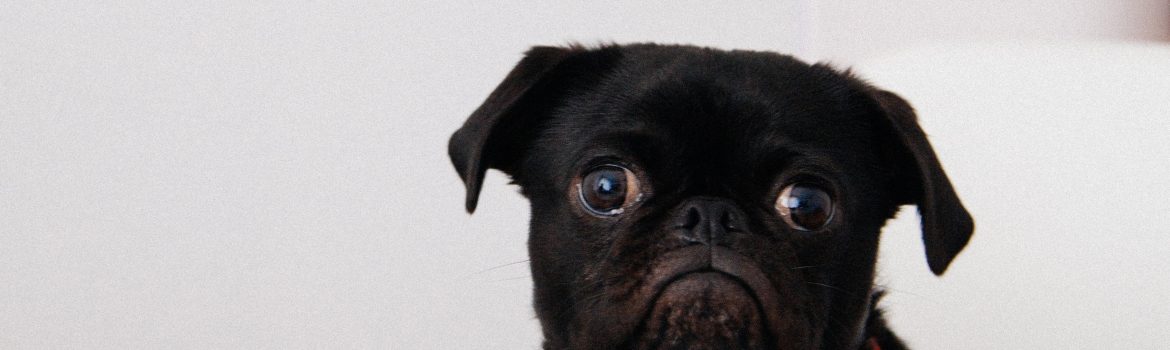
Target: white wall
<point>274,175</point>
<point>853,31</point>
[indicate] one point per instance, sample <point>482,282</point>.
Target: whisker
<point>497,267</point>
<point>590,299</point>
<point>511,279</point>
<point>803,267</point>
<point>889,290</point>
<point>830,287</point>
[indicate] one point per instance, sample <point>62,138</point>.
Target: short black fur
<point>712,137</point>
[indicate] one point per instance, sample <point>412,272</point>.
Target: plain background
<point>274,174</point>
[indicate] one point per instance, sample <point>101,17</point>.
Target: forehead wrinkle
<point>717,133</point>
<point>643,143</point>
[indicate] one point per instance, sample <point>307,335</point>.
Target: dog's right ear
<point>497,132</point>
<point>946,225</point>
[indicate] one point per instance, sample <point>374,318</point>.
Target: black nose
<point>710,221</point>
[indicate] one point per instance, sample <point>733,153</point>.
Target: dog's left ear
<point>946,225</point>
<point>477,145</point>
<point>496,135</point>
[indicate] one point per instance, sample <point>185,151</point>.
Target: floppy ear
<point>946,225</point>
<point>490,137</point>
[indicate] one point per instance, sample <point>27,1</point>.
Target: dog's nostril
<point>728,221</point>
<point>707,221</point>
<point>693,218</point>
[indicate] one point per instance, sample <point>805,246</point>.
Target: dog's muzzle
<point>705,294</point>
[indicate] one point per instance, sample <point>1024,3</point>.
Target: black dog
<point>691,198</point>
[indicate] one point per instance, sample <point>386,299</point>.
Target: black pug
<point>693,198</point>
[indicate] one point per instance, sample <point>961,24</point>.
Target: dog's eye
<point>607,189</point>
<point>805,207</point>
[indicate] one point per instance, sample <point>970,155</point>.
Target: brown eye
<point>607,189</point>
<point>805,207</point>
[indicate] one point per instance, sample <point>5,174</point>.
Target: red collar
<point>872,344</point>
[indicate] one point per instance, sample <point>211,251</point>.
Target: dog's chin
<point>704,310</point>
<point>698,297</point>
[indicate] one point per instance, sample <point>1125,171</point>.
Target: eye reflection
<point>804,207</point>
<point>607,189</point>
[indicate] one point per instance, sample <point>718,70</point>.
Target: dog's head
<point>685,197</point>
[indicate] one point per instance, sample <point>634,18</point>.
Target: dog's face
<point>694,198</point>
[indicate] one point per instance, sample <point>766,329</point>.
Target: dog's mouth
<point>704,309</point>
<point>707,298</point>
